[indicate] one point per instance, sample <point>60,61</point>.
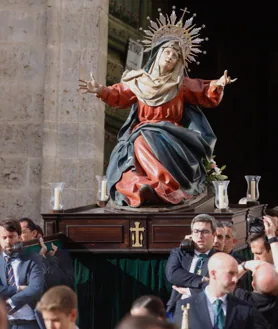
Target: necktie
<point>10,272</point>
<point>200,262</point>
<point>219,317</point>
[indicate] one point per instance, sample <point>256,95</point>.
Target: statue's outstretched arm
<point>91,86</point>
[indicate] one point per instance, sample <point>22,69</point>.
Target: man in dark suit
<point>57,264</point>
<point>215,307</point>
<point>21,278</point>
<point>188,269</point>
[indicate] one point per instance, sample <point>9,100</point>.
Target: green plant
<point>213,171</point>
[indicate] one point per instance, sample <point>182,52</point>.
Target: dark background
<point>245,42</point>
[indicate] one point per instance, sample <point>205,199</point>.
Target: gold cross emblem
<point>137,235</point>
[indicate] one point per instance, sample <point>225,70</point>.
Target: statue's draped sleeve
<point>201,92</point>
<point>118,96</point>
<point>195,92</point>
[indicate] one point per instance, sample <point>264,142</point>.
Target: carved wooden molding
<point>107,230</point>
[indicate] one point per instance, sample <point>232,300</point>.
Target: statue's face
<point>168,60</point>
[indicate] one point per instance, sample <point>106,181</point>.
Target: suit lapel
<point>187,260</point>
<point>201,313</point>
<point>204,271</point>
<point>231,311</point>
<point>22,269</point>
<point>3,266</point>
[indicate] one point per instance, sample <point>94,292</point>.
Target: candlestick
<point>221,199</point>
<point>185,319</point>
<point>103,190</point>
<point>252,193</point>
<point>56,198</point>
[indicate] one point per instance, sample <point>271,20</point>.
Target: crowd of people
<point>37,289</point>
<point>207,282</point>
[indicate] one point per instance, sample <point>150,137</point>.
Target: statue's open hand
<point>224,80</point>
<point>89,86</point>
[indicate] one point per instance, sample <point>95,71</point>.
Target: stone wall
<point>49,131</point>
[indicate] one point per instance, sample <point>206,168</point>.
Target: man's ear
<point>234,241</point>
<point>34,234</point>
<point>73,315</point>
<point>212,274</point>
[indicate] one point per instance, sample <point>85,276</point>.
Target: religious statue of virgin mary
<point>158,156</point>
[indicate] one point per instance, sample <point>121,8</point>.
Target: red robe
<point>149,170</point>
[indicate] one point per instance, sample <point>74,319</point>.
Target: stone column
<point>49,131</point>
<point>73,141</point>
<point>22,63</point>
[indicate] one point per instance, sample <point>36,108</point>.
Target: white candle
<point>253,189</point>
<point>221,196</point>
<point>103,190</point>
<point>56,198</point>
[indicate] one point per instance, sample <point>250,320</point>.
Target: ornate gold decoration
<point>137,235</point>
<point>185,323</point>
<point>168,28</point>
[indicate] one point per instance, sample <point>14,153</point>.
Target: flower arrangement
<point>213,171</point>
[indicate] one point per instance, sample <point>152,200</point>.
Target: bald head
<point>223,270</point>
<point>265,280</point>
<point>221,260</point>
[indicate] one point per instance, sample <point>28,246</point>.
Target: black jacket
<point>58,269</point>
<point>30,275</point>
<point>266,305</point>
<point>240,315</point>
<point>177,273</point>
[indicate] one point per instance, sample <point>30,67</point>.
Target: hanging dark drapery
<point>107,285</point>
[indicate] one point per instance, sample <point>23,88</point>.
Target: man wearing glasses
<point>187,270</point>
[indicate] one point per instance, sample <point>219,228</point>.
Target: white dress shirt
<point>210,302</point>
<point>25,312</point>
<point>192,269</point>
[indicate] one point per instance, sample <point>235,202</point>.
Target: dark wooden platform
<point>110,230</point>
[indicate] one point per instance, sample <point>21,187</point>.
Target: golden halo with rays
<point>169,28</point>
